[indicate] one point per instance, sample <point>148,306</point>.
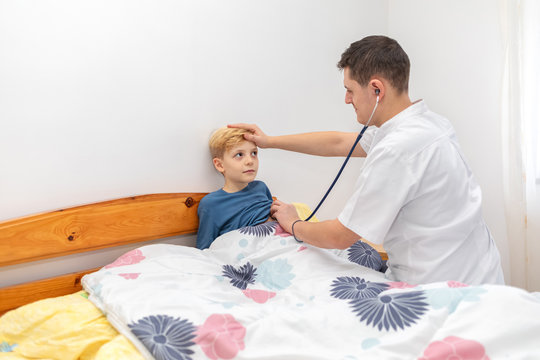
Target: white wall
<point>107,99</point>
<point>455,49</point>
<point>101,99</point>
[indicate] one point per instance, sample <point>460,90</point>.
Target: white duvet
<point>259,294</point>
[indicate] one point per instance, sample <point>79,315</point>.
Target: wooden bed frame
<point>91,227</point>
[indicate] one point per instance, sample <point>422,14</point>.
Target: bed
<point>255,294</point>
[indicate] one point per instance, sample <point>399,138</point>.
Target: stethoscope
<point>377,91</point>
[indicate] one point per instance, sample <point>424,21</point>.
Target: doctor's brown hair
<point>377,55</point>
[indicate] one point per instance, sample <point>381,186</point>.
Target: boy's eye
<point>254,153</point>
<point>238,154</point>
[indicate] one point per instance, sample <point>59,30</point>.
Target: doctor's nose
<point>348,99</point>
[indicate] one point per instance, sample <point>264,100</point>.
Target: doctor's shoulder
<point>419,136</point>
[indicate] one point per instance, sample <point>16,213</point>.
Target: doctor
<point>415,194</point>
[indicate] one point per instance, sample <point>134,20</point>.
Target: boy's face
<point>239,166</point>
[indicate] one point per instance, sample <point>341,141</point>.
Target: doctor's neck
<point>390,105</point>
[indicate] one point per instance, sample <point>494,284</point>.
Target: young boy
<point>243,201</point>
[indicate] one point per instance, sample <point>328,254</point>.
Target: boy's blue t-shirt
<point>220,212</point>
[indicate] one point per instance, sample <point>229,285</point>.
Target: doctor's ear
<point>377,86</point>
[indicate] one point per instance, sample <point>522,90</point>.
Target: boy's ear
<point>218,164</point>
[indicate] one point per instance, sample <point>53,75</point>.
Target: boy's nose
<point>249,160</point>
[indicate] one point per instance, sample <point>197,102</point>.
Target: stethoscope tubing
<point>345,162</point>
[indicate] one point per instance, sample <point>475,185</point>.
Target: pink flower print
<point>454,348</point>
<point>130,276</point>
<point>281,232</point>
<point>399,285</point>
<point>221,336</point>
<point>129,258</point>
<point>455,284</point>
<point>301,248</point>
<point>259,296</point>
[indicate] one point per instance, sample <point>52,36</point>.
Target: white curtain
<point>521,146</point>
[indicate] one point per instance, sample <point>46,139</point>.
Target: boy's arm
<point>268,192</point>
<point>208,230</point>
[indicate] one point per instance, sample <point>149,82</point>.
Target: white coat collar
<point>418,107</point>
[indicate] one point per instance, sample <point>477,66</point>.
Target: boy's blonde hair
<point>224,139</point>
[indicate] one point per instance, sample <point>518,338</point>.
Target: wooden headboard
<point>91,227</point>
<point>86,228</point>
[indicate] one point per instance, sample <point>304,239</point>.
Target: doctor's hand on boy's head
<point>256,135</point>
<point>285,214</point>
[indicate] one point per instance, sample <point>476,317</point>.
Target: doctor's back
<point>417,195</point>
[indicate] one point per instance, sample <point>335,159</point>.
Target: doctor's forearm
<point>330,234</point>
<point>325,143</point>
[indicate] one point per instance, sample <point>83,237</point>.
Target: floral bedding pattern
<point>256,293</point>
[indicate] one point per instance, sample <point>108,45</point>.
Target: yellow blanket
<point>304,211</point>
<point>66,327</point>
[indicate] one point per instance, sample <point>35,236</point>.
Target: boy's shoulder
<point>221,195</point>
<point>255,183</point>
<point>258,184</point>
<point>213,197</point>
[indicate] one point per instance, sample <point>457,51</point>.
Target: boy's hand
<point>285,214</point>
<point>257,136</point>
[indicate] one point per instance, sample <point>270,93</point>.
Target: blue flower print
<point>260,230</point>
<point>394,311</point>
<point>355,288</point>
<point>275,274</point>
<point>363,254</point>
<point>5,347</point>
<point>242,277</point>
<point>450,298</point>
<point>165,337</point>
